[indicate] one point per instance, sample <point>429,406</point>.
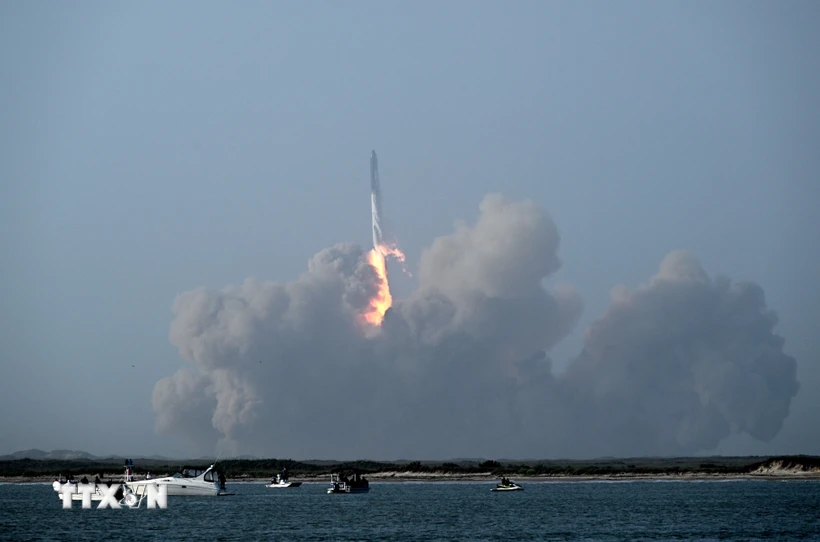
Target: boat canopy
<point>191,472</point>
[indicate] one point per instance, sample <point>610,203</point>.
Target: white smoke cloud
<point>459,368</point>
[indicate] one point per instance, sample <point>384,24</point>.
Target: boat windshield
<point>189,473</point>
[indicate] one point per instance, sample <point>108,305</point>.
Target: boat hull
<point>349,490</point>
<point>180,490</point>
<point>288,484</point>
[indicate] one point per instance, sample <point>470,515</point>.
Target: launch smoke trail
<point>460,368</point>
<point>376,201</point>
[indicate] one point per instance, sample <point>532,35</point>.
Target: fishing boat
<point>282,481</point>
<point>340,483</point>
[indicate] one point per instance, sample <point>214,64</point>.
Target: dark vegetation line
<point>264,468</point>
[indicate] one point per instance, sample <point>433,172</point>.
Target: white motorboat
<point>189,482</point>
<point>193,482</point>
<point>282,481</point>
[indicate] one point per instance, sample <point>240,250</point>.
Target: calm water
<point>644,510</point>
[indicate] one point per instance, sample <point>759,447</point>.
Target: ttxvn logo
<point>115,495</point>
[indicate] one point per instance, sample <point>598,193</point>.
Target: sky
<point>149,149</point>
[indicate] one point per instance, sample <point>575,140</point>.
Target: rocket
<point>376,201</point>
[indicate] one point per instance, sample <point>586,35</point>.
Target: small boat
<point>341,484</point>
<point>282,481</point>
<point>507,485</point>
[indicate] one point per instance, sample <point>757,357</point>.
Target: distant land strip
<point>22,469</point>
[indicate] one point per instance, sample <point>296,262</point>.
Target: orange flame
<point>382,300</point>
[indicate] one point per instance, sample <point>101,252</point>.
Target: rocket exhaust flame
<point>381,249</point>
<point>382,300</point>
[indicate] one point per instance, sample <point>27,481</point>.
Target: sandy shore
<point>487,477</point>
<point>440,477</point>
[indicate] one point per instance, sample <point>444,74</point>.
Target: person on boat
<point>97,479</point>
<point>284,476</point>
<point>221,480</point>
<point>84,480</point>
<point>148,476</point>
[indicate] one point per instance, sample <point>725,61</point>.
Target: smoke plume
<point>461,367</point>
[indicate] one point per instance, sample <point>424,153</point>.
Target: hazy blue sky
<point>147,148</point>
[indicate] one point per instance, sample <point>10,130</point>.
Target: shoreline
<point>417,477</point>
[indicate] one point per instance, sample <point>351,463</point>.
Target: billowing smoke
<point>679,363</point>
<point>460,368</point>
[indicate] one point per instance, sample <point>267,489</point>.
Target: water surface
<point>624,510</point>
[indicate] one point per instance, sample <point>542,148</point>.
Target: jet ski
<point>507,485</point>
